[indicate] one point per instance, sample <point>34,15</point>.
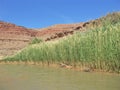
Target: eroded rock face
<point>86,23</point>
<point>13,31</point>
<point>13,38</point>
<point>77,28</point>
<point>58,31</point>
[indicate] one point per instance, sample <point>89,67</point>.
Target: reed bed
<point>97,49</point>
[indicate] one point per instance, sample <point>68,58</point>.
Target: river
<point>31,77</point>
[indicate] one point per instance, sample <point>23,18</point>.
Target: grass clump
<point>111,18</point>
<point>36,40</point>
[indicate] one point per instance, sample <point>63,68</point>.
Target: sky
<point>44,13</point>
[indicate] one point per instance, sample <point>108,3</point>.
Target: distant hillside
<point>12,31</point>
<point>14,38</point>
<point>8,30</point>
<point>61,30</point>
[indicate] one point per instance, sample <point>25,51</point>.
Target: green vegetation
<point>35,41</point>
<point>111,18</point>
<point>97,49</point>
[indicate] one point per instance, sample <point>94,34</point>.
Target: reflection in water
<point>28,77</point>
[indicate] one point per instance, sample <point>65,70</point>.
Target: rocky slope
<point>58,31</point>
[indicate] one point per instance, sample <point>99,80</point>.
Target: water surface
<point>30,77</point>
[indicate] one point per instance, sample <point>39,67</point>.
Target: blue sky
<point>43,13</point>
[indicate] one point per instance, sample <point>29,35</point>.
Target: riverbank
<point>81,67</point>
<point>97,48</point>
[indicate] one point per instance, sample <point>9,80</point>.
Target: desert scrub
<point>97,49</point>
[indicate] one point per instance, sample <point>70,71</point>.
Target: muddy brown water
<point>30,77</point>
